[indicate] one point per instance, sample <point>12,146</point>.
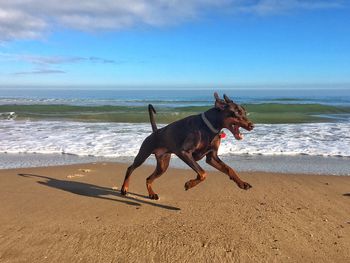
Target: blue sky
<point>200,43</point>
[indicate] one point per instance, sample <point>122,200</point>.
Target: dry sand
<point>72,214</point>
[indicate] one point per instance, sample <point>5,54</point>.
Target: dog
<point>191,139</point>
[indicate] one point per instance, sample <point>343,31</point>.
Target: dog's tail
<point>151,112</point>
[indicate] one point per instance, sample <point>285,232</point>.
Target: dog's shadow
<point>96,191</point>
<point>346,194</point>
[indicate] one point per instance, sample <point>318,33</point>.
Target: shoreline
<point>76,213</point>
<point>299,164</point>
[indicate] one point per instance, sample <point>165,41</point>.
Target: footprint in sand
<point>75,175</point>
<point>79,175</point>
<point>85,170</point>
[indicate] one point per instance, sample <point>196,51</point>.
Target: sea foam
<point>124,140</point>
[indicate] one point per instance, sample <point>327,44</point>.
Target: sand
<point>76,214</point>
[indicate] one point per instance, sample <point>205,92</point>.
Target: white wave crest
<point>121,139</point>
<point>8,115</point>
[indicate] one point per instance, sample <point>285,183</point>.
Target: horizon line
<point>344,85</point>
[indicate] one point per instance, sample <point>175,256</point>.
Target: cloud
<point>102,60</point>
<point>40,72</point>
<point>53,60</point>
<point>20,24</point>
<point>31,18</point>
<point>44,64</point>
<point>28,19</point>
<point>272,7</point>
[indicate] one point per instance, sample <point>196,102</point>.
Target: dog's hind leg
<point>162,166</point>
<point>145,151</point>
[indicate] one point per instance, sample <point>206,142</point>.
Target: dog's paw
<point>187,185</point>
<point>154,197</point>
<point>244,185</point>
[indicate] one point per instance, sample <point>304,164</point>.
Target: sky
<point>196,43</point>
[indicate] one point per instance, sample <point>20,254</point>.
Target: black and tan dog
<point>191,139</point>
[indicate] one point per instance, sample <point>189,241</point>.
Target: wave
<point>268,113</point>
<point>124,139</point>
<point>100,102</point>
<point>8,115</point>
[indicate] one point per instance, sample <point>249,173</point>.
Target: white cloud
<point>16,24</point>
<point>26,19</point>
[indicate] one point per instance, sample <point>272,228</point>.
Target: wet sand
<point>76,214</point>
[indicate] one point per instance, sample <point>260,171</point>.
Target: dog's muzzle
<point>250,126</point>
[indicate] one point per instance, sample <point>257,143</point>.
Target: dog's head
<point>233,116</point>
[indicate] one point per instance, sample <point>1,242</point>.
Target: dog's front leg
<point>214,160</point>
<point>201,174</point>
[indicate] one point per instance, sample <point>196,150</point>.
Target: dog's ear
<point>219,103</point>
<point>227,99</point>
<point>216,96</point>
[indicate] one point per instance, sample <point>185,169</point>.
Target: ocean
<point>298,124</point>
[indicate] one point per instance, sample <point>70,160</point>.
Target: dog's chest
<point>201,150</point>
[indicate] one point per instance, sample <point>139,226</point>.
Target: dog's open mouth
<point>236,132</point>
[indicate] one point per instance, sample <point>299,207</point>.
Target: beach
<point>74,213</point>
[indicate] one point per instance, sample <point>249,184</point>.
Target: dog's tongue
<point>236,133</point>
